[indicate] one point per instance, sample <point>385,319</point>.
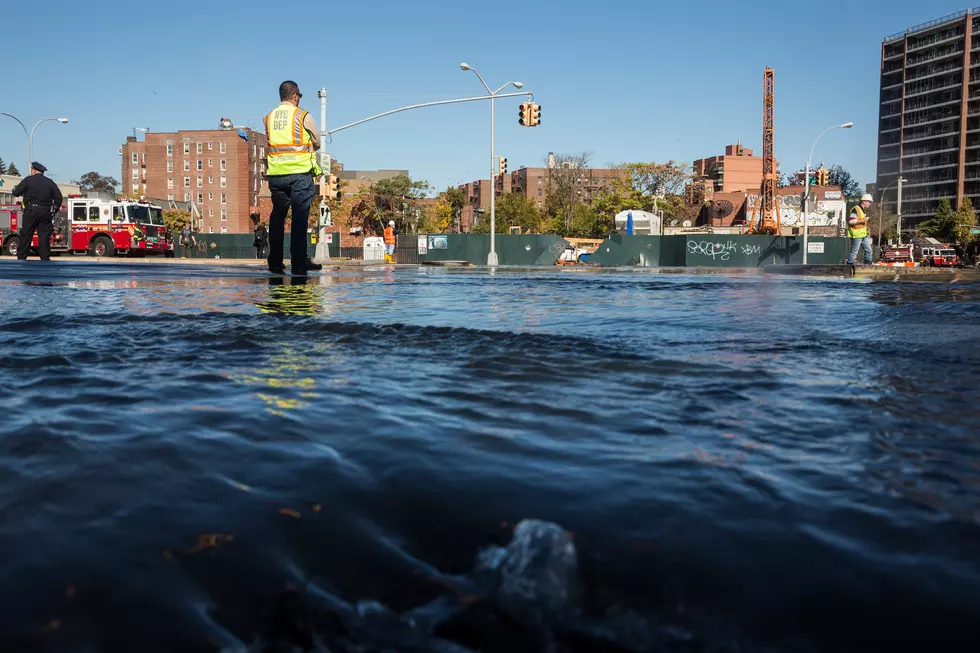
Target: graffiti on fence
<point>824,213</point>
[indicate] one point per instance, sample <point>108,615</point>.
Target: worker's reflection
<point>292,296</point>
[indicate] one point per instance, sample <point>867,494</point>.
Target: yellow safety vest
<point>858,232</point>
<point>291,149</point>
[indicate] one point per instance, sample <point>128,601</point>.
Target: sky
<point>628,80</point>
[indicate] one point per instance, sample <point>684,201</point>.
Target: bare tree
<point>563,186</point>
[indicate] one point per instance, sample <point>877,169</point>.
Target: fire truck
<point>938,256</point>
<point>96,227</point>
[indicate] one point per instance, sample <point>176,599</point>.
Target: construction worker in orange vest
<point>390,242</point>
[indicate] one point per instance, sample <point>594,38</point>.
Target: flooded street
<point>745,463</point>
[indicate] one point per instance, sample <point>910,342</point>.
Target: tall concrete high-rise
<point>929,115</point>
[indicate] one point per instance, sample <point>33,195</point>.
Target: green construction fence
<point>717,250</point>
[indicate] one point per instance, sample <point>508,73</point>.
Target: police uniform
<point>42,200</point>
<point>291,170</point>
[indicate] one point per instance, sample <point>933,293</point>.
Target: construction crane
<point>768,204</point>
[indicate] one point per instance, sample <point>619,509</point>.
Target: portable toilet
<point>374,248</point>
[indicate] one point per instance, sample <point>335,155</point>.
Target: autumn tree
<point>964,219</point>
<point>456,198</point>
<point>563,189</point>
<point>176,220</point>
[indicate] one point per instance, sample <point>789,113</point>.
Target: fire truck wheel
<point>10,248</point>
<point>101,247</point>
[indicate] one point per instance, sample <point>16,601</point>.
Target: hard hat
<point>867,198</point>
<point>391,223</point>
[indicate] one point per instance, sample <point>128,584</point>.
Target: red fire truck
<point>96,227</point>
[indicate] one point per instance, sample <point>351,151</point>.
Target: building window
<point>210,230</point>
<point>211,197</point>
<point>170,198</point>
<point>136,158</point>
<point>255,200</point>
<point>187,165</point>
<point>200,182</point>
<point>224,198</point>
<point>224,230</point>
<point>223,147</point>
<point>170,166</point>
<point>210,180</point>
<point>136,188</point>
<point>200,198</point>
<point>200,148</point>
<point>262,152</point>
<point>187,182</point>
<point>200,164</point>
<point>224,164</point>
<point>187,197</point>
<point>170,148</point>
<point>170,183</point>
<point>210,163</point>
<point>210,213</point>
<point>540,192</point>
<point>143,156</point>
<point>255,184</point>
<point>224,215</point>
<point>187,146</point>
<point>136,174</point>
<point>210,146</point>
<point>224,182</point>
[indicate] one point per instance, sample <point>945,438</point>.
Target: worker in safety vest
<point>293,142</point>
<point>390,242</point>
<point>857,230</point>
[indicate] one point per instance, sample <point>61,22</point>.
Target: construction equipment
<point>768,205</point>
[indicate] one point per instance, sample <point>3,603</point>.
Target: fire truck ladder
<point>769,218</point>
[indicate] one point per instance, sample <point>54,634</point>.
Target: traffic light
<point>535,112</point>
<point>502,166</point>
<point>524,114</point>
<point>333,190</point>
<point>823,177</point>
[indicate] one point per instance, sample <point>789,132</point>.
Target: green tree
<point>93,182</point>
<point>513,210</point>
<point>941,225</point>
<point>848,184</point>
<point>393,199</point>
<point>563,189</point>
<point>12,170</point>
<point>3,167</point>
<point>588,222</point>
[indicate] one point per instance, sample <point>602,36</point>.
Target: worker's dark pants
<point>290,192</point>
<point>36,218</point>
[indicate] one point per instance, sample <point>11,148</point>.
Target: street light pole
<point>806,188</point>
<point>25,134</point>
<point>30,144</point>
<point>881,206</point>
<point>492,258</point>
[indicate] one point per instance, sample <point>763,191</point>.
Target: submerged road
<point>746,463</point>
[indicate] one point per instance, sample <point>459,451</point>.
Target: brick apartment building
<point>533,183</point>
<point>216,169</point>
<point>737,170</point>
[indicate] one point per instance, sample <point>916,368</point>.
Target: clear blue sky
<point>631,80</point>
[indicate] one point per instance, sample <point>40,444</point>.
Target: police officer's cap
<point>37,166</point>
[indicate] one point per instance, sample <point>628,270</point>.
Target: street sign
<point>814,248</point>
<point>330,239</point>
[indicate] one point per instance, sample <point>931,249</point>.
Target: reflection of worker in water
<point>390,239</point>
<point>261,242</point>
<point>291,296</point>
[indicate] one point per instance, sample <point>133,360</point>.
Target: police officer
<point>42,200</point>
<point>293,142</point>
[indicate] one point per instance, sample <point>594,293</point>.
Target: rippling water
<point>746,463</point>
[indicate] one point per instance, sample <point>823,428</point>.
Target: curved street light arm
<point>428,104</point>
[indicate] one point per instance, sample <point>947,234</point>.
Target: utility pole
<point>899,225</point>
<point>322,247</point>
